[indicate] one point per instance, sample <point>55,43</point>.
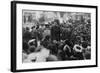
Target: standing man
<point>55,31</point>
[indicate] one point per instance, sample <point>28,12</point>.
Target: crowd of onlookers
<point>54,42</point>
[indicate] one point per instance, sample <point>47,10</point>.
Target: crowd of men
<point>54,42</point>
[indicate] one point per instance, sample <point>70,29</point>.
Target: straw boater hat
<point>32,41</point>
<point>77,48</point>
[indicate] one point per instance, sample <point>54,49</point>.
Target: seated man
<point>78,53</point>
<point>86,50</point>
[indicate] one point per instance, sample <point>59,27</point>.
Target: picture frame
<point>18,10</point>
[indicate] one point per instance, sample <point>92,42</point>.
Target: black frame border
<point>13,35</point>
